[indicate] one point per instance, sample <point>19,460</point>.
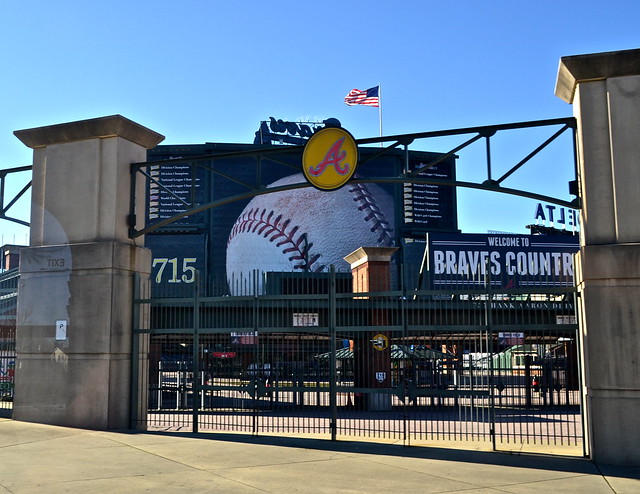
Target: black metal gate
<point>8,298</point>
<point>414,366</point>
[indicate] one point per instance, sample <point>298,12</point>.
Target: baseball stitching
<point>271,227</point>
<point>263,223</point>
<point>373,213</point>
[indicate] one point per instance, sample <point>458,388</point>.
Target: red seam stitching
<point>373,212</point>
<point>275,230</point>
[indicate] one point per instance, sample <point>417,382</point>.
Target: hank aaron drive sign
<point>330,158</point>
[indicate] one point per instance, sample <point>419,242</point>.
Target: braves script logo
<point>335,156</point>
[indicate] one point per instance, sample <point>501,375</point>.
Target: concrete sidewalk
<point>42,458</point>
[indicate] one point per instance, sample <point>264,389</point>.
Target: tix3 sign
<point>330,158</point>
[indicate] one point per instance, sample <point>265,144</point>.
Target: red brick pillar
<point>371,271</point>
<point>10,256</point>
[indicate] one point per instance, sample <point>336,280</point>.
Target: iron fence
<point>8,298</point>
<point>314,357</point>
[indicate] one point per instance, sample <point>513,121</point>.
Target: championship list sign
<point>170,191</point>
<point>501,261</point>
<point>430,206</point>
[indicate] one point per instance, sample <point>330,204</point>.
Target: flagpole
<point>380,109</point>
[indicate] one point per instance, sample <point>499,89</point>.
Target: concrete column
<point>74,323</point>
<point>604,89</point>
<point>371,271</point>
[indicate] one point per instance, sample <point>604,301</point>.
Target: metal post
<point>405,334</point>
<point>132,200</point>
<point>2,178</point>
<point>527,380</point>
<point>332,355</point>
<point>567,400</point>
<point>489,321</point>
<point>195,382</point>
<point>406,159</point>
<point>258,361</point>
<point>488,143</point>
<point>471,379</point>
<point>548,365</point>
<point>194,180</point>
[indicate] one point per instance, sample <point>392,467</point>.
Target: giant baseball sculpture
<point>305,230</point>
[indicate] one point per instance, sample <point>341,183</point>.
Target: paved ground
<point>42,458</point>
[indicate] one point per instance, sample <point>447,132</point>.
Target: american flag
<point>368,97</point>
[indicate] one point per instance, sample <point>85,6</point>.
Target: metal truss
<point>278,154</point>
<point>272,154</point>
<point>6,206</point>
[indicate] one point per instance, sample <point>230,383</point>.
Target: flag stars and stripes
<point>367,97</point>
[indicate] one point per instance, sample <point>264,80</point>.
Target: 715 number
<point>188,272</point>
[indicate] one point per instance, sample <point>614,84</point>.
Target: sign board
<point>61,330</point>
<point>306,319</point>
<point>176,259</point>
<point>500,261</point>
<point>330,158</point>
<point>566,319</point>
<point>380,342</point>
<point>171,189</point>
<point>7,369</point>
<point>429,206</point>
<point>250,338</point>
<point>284,132</point>
<point>557,217</point>
<point>510,338</point>
<point>334,221</point>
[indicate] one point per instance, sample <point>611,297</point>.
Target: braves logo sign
<point>335,156</point>
<point>329,159</point>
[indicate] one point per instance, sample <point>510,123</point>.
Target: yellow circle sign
<point>330,158</point>
<point>380,342</point>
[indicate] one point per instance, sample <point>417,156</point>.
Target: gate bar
<point>332,356</point>
<point>195,380</point>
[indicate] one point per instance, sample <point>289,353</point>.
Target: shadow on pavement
<point>509,459</point>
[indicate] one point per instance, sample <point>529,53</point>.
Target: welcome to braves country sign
<point>330,158</point>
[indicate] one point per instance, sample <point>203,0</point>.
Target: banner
<point>500,261</point>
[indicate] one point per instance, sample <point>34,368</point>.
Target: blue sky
<point>199,71</point>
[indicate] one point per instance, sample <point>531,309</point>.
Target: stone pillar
<point>604,89</point>
<point>371,271</point>
<point>74,323</point>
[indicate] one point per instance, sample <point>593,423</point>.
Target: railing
<point>8,304</point>
<point>415,366</point>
